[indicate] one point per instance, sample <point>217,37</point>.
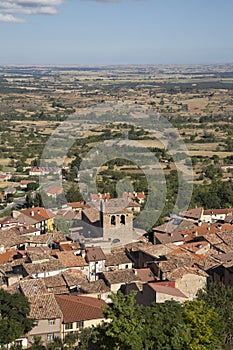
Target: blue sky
<point>116,32</point>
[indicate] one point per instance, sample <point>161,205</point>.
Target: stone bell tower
<point>116,221</point>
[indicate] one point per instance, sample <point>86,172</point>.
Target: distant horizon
<point>113,64</point>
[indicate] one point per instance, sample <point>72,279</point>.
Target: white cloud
<point>10,19</point>
<point>8,8</point>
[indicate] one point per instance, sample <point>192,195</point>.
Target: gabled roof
<point>172,237</point>
<point>195,213</point>
<point>96,287</point>
<point>117,258</point>
<point>80,308</point>
<point>206,229</point>
<point>44,307</point>
<point>157,250</point>
<point>77,205</point>
<point>166,290</point>
<point>121,276</point>
<point>69,259</point>
<point>38,213</point>
<point>181,271</point>
<point>93,215</point>
<point>51,265</point>
<point>8,238</point>
<point>73,278</point>
<point>94,254</point>
<point>145,274</point>
<point>7,256</point>
<point>218,211</point>
<point>33,287</point>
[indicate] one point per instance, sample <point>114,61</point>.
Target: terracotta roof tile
<point>69,259</point>
<point>96,287</point>
<point>195,213</point>
<point>33,287</point>
<point>51,265</point>
<point>80,308</point>
<point>121,276</point>
<point>117,258</point>
<point>218,211</point>
<point>146,275</point>
<point>167,290</point>
<point>94,254</point>
<point>44,307</point>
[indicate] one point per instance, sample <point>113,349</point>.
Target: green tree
<point>165,328</point>
<point>220,297</point>
<point>14,320</point>
<point>204,324</point>
<point>125,330</point>
<point>73,194</point>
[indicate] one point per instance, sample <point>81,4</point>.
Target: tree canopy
<point>193,325</point>
<point>220,297</point>
<point>14,320</point>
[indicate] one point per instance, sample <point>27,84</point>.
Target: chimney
<point>32,213</point>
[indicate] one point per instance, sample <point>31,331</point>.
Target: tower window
<point>113,220</point>
<point>122,220</point>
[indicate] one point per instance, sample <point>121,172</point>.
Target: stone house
<point>118,261</point>
<point>159,293</point>
<point>48,318</point>
<point>79,312</point>
<point>96,260</point>
<point>188,280</point>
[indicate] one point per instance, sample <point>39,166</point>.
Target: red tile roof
<point>166,290</point>
<point>194,213</point>
<point>95,254</point>
<point>77,205</point>
<point>7,256</point>
<point>44,307</point>
<point>146,275</point>
<point>80,308</point>
<point>38,213</point>
<point>218,211</point>
<point>69,259</point>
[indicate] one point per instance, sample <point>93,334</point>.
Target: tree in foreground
<point>220,297</point>
<point>125,330</point>
<point>204,325</point>
<point>14,320</point>
<point>167,326</point>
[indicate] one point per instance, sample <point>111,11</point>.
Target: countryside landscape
<point>116,175</point>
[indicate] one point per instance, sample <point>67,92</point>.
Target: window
<point>113,220</point>
<point>50,337</point>
<point>69,325</point>
<point>51,322</point>
<point>122,220</point>
<point>79,324</point>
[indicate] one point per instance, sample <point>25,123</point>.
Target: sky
<point>94,32</point>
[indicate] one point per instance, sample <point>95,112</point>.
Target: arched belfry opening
<point>122,220</point>
<point>113,220</point>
